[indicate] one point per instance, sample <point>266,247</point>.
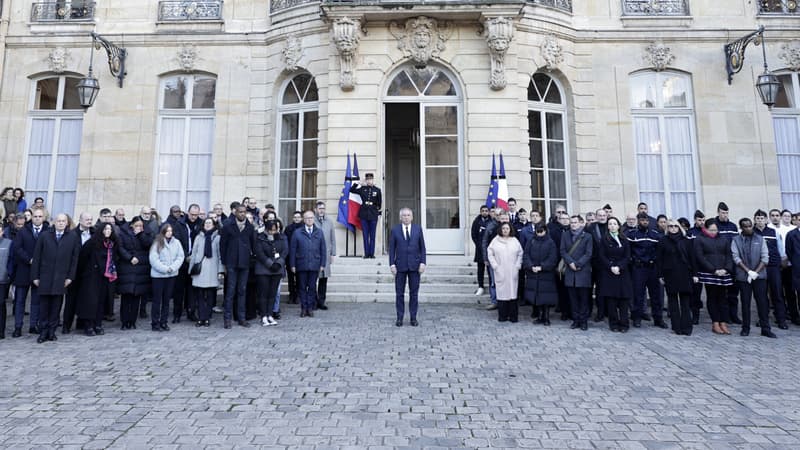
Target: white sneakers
<point>218,309</point>
<point>479,291</point>
<point>268,321</point>
<point>264,322</point>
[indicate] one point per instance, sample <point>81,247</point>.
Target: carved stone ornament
<point>658,56</point>
<point>187,58</point>
<point>292,52</point>
<point>421,38</point>
<point>346,34</point>
<point>790,55</point>
<point>58,59</point>
<point>499,31</point>
<point>552,52</point>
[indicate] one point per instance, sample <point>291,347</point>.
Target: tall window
<point>547,144</point>
<point>786,121</point>
<point>297,147</point>
<point>185,141</point>
<point>664,142</point>
<point>54,148</point>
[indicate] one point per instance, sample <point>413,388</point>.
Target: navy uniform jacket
<point>236,247</point>
<point>406,255</point>
<point>727,230</point>
<point>478,228</point>
<point>771,238</point>
<point>24,244</point>
<point>644,245</point>
<point>370,201</point>
<point>307,252</point>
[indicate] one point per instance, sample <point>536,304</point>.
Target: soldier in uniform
<point>644,245</point>
<point>369,212</point>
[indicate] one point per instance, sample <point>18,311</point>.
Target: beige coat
<point>505,257</point>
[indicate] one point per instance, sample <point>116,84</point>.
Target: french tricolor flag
<point>502,187</point>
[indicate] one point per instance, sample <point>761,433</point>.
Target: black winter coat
<point>713,253</point>
<point>54,261</point>
<point>94,286</point>
<point>540,287</point>
<point>24,245</point>
<point>134,279</point>
<point>265,251</point>
<point>235,247</point>
<point>675,264</point>
<point>612,254</point>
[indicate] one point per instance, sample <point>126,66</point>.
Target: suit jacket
<point>329,234</point>
<point>308,252</point>
<point>406,256</point>
<point>24,245</point>
<point>236,246</point>
<point>55,261</point>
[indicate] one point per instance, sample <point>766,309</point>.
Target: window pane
<point>312,95</point>
<point>420,77</point>
<point>46,94</point>
<point>441,120</point>
<point>39,156</point>
<point>288,184</point>
<point>202,198</point>
<point>553,95</point>
<point>555,155</point>
<point>541,81</point>
<point>643,91</point>
<point>290,95</point>
<point>289,126</point>
<point>537,183</point>
<point>309,154</point>
<point>310,124</point>
<point>401,86</point>
<point>673,91</point>
<point>170,174</point>
<point>557,181</point>
<point>535,124</point>
<point>63,202</point>
<point>441,85</point>
<point>165,199</point>
<point>289,155</point>
<point>205,90</point>
<point>555,126</point>
<point>537,158</point>
<point>71,99</point>
<point>442,213</point>
<point>538,205</point>
<point>301,83</point>
<point>172,136</point>
<point>201,136</point>
<point>285,210</point>
<point>441,151</point>
<point>175,93</point>
<point>199,178</point>
<point>533,95</point>
<point>441,181</point>
<point>309,184</point>
<point>785,98</point>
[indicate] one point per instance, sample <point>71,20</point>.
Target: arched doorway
<point>424,154</point>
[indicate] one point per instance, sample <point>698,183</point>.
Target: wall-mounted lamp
<point>89,87</point>
<point>767,83</point>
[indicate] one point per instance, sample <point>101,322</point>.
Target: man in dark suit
<point>307,258</point>
<point>24,244</point>
<point>55,262</point>
<point>407,261</point>
<point>236,243</point>
<point>83,232</point>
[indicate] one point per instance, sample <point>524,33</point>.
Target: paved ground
<point>350,378</point>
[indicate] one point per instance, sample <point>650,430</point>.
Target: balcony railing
<point>655,7</point>
<point>564,5</point>
<point>62,11</point>
<point>277,5</point>
<point>778,7</point>
<point>187,11</point>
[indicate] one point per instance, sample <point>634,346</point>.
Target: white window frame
<point>544,108</point>
<point>662,113</point>
<point>299,108</point>
<point>793,114</point>
<point>187,114</point>
<point>59,114</point>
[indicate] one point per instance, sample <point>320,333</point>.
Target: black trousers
<point>775,290</point>
<point>70,305</point>
<point>717,303</point>
<point>291,281</point>
<point>732,297</point>
<point>322,290</point>
<point>129,308</point>
<point>521,288</point>
<point>563,297</point>
<point>696,301</point>
<point>618,312</point>
<point>481,273</point>
<point>49,312</point>
<point>251,297</point>
<point>790,294</point>
<point>680,311</point>
<point>579,303</point>
<point>268,286</point>
<point>206,298</point>
<point>508,310</point>
<point>3,309</point>
<point>179,292</point>
<point>162,292</point>
<point>757,289</point>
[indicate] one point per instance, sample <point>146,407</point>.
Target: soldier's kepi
<point>371,201</point>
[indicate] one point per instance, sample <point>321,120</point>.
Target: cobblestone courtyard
<point>350,378</point>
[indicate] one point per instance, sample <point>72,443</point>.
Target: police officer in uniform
<point>369,212</point>
<point>644,244</point>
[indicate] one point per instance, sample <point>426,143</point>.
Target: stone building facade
<point>589,103</point>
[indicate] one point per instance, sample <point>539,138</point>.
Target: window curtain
<point>201,143</point>
<point>66,180</point>
<point>680,163</point>
<point>170,163</point>
<point>648,145</point>
<point>787,147</point>
<point>40,155</point>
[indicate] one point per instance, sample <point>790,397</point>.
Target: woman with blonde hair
<point>676,271</point>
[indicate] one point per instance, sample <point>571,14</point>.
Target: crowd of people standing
<point>578,263</point>
<point>181,261</point>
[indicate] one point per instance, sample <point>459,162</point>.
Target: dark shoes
<point>227,324</point>
<point>276,315</point>
<point>40,339</point>
<point>744,332</point>
<point>65,330</point>
<point>99,331</point>
<point>17,332</point>
<point>244,323</point>
<point>660,324</point>
<point>322,307</point>
<point>89,332</point>
<point>164,327</point>
<point>646,317</point>
<point>768,333</point>
<point>109,318</point>
<point>399,323</point>
<point>736,320</point>
<point>584,326</point>
<point>637,323</point>
<point>156,327</point>
<point>302,313</point>
<point>310,313</point>
<point>176,320</point>
<point>783,326</point>
<point>574,325</point>
<point>414,322</point>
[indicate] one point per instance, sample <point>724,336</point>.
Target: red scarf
<point>111,268</point>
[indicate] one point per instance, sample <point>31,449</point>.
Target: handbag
<point>562,265</point>
<point>196,267</point>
